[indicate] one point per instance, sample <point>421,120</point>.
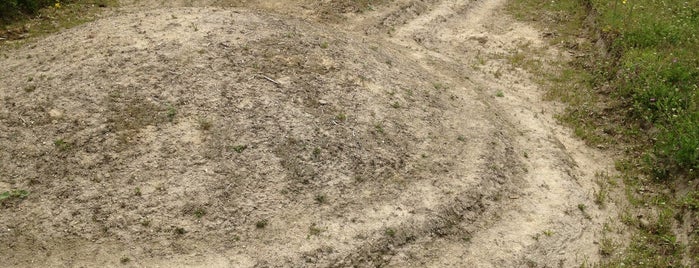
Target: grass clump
<point>239,148</point>
<point>378,127</point>
<point>14,194</point>
<point>341,117</point>
<point>390,232</point>
<point>261,224</point>
<point>199,213</point>
<point>61,144</point>
<point>314,230</point>
<point>321,199</point>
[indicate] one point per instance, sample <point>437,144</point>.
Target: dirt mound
<point>177,132</point>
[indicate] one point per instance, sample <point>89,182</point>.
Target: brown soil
<point>287,134</point>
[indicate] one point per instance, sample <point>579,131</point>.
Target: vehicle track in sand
<point>447,157</point>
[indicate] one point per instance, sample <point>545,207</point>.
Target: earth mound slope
<point>202,132</point>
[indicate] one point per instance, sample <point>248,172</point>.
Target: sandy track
<point>383,144</point>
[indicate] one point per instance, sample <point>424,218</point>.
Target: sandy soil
<point>291,134</point>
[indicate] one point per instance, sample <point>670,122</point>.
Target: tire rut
<point>444,37</point>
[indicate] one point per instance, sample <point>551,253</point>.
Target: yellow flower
<point>623,2</point>
<point>57,5</point>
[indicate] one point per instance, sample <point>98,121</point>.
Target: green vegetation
<point>61,145</point>
<point>125,259</point>
<point>14,194</point>
<point>205,124</point>
<point>658,75</point>
<point>314,230</point>
<point>239,148</point>
<point>10,9</point>
<point>261,224</point>
<point>390,232</point>
<point>171,113</point>
<point>24,19</point>
<point>636,93</point>
<point>378,127</point>
<point>199,213</point>
<point>321,199</point>
<point>341,117</point>
<point>180,231</point>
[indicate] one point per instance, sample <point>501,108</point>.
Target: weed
<point>536,236</point>
<point>61,145</point>
<point>438,86</point>
<point>14,194</point>
<point>314,230</point>
<point>199,213</point>
<point>379,128</point>
<point>606,246</point>
<point>526,155</point>
<point>480,59</point>
<point>239,148</point>
<point>409,92</point>
<point>205,124</point>
<point>316,152</point>
<point>583,210</point>
<point>321,199</point>
<point>261,224</point>
<point>497,74</point>
<point>324,45</point>
<point>500,94</point>
<point>461,138</point>
<point>171,113</point>
<point>691,201</point>
<point>29,88</point>
<point>124,260</point>
<point>395,105</point>
<point>548,233</point>
<point>466,238</point>
<point>390,232</point>
<point>341,117</point>
<point>600,195</point>
<point>137,191</point>
<point>180,231</point>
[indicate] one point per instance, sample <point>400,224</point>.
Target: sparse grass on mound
<point>24,19</point>
<point>636,91</point>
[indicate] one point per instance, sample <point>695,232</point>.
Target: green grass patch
<point>22,20</point>
<point>14,194</point>
<point>636,93</point>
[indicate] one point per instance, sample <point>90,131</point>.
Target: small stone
<point>322,102</point>
<point>643,223</point>
<point>55,114</point>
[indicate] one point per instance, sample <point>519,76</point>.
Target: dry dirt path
<point>400,137</point>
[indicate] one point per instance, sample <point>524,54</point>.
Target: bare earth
<point>291,134</point>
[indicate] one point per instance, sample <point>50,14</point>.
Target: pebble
<point>55,114</point>
<point>644,223</point>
